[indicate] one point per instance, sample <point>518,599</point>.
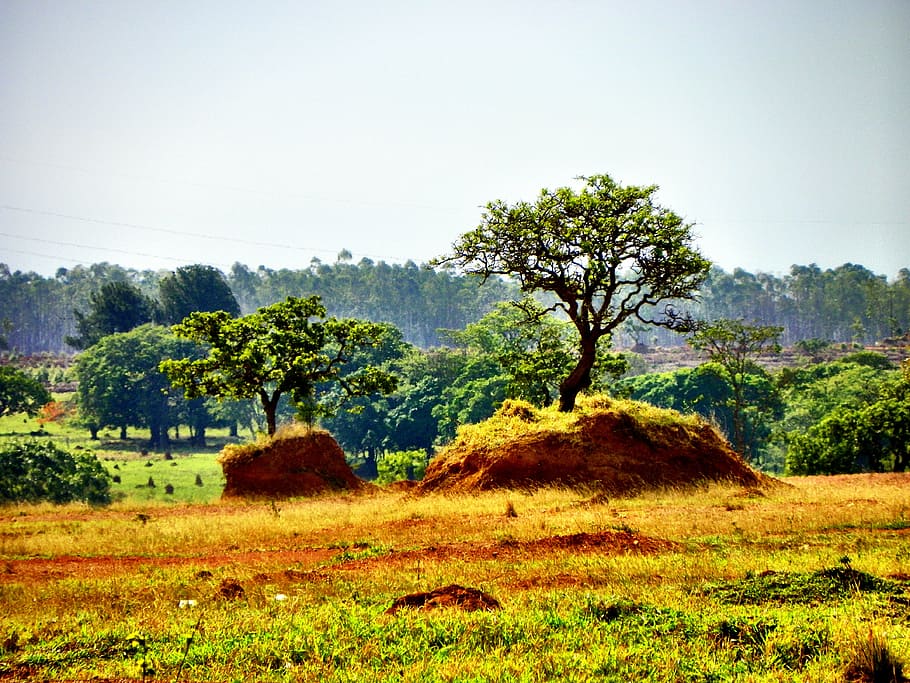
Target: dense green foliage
<point>708,391</point>
<point>286,349</point>
<point>868,436</point>
<point>607,253</point>
<point>117,307</point>
<point>37,470</point>
<point>120,385</point>
<point>20,393</point>
<point>195,288</point>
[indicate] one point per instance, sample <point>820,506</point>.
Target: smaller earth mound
<point>289,465</point>
<point>617,447</point>
<point>467,599</point>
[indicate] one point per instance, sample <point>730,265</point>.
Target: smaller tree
<point>735,346</point>
<point>20,393</point>
<point>116,307</point>
<point>195,288</point>
<point>288,348</point>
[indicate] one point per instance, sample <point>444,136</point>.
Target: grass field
<point>808,581</point>
<point>797,583</point>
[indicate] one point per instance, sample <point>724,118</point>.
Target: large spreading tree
<point>608,253</point>
<point>287,349</point>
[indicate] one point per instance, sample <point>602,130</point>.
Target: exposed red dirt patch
<point>44,570</point>
<point>315,563</point>
<point>289,467</point>
<point>605,450</point>
<point>465,599</point>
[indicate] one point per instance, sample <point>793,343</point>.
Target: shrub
<point>399,465</point>
<point>32,471</point>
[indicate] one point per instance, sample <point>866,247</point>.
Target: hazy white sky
<point>156,133</point>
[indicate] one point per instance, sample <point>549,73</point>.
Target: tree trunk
<point>580,377</point>
<point>270,408</point>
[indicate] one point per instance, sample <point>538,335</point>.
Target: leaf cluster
<point>20,393</point>
<point>32,471</point>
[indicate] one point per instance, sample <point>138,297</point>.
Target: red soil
<point>289,467</point>
<point>609,451</point>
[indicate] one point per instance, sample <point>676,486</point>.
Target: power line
<point>151,228</point>
<point>168,231</point>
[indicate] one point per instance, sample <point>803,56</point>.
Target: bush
<point>400,465</point>
<point>33,471</point>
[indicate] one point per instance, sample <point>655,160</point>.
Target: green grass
<point>135,474</point>
<point>804,582</point>
<point>773,597</point>
<point>134,464</point>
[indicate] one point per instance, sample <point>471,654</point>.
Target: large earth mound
<point>618,447</point>
<point>291,464</point>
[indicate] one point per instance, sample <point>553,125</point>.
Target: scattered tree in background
<point>735,346</point>
<point>607,253</point>
<point>196,288</point>
<point>116,307</point>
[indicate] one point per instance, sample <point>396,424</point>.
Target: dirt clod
<point>460,597</point>
<point>230,589</point>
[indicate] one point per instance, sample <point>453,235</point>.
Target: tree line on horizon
<point>847,304</point>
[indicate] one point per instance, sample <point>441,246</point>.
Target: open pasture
<point>802,582</point>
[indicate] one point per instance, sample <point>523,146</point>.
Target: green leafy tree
<point>33,471</point>
<point>20,393</point>
<point>289,348</point>
<point>870,437</point>
<point>195,288</point>
<point>533,350</point>
<point>813,392</point>
<point>735,346</point>
<point>608,253</point>
<point>708,391</point>
<point>116,307</point>
<point>120,385</point>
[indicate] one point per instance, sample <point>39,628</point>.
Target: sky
<point>164,133</point>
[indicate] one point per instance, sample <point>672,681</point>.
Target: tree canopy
<point>735,346</point>
<point>117,307</point>
<point>195,288</point>
<point>608,253</point>
<point>120,385</point>
<point>20,393</point>
<point>288,348</point>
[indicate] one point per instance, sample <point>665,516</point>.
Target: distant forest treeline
<point>845,304</point>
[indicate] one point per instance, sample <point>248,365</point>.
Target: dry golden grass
<point>341,560</point>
